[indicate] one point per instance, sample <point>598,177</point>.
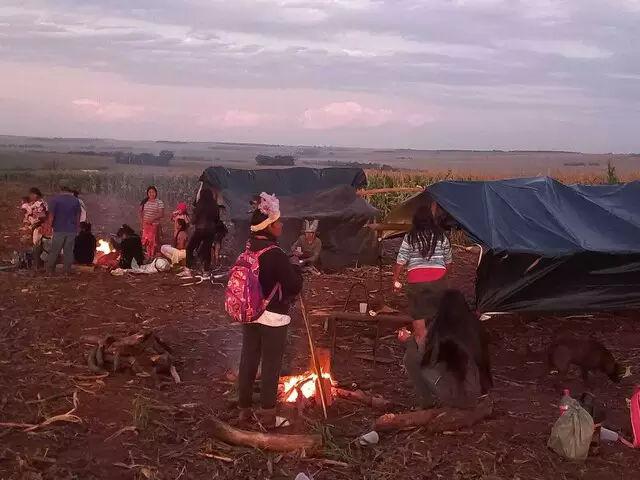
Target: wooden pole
<point>314,358</point>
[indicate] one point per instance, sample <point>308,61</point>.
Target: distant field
<point>101,175</point>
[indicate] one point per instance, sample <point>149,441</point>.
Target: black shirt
<point>130,248</point>
<point>84,249</point>
<point>275,268</point>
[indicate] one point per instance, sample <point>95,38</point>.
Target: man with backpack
<point>263,286</point>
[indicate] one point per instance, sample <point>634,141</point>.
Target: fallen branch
<point>65,417</point>
<point>374,401</point>
<point>437,420</point>
<point>266,441</point>
<point>121,431</point>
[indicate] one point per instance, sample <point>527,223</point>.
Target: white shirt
<point>271,319</point>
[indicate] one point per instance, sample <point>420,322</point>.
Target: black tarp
<point>328,195</point>
<point>548,246</point>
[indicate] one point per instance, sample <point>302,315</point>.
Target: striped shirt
<point>413,259</point>
<point>151,210</point>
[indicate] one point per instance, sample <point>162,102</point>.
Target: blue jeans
<point>61,241</point>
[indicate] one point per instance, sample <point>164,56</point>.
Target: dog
<point>588,354</point>
<point>456,336</point>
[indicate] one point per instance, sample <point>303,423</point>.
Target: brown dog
<point>588,354</point>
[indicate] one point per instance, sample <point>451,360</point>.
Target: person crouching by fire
<point>265,338</point>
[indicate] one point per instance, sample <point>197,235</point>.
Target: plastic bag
<point>572,433</point>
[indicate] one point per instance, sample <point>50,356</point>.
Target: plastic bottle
<point>564,401</point>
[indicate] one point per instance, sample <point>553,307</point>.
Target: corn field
<point>182,187</point>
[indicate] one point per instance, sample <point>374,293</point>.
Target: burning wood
<point>104,247</point>
<point>305,384</point>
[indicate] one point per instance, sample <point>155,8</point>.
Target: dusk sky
<point>463,74</point>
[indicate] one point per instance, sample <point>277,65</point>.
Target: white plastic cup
<point>607,435</point>
<point>370,438</point>
<point>363,308</point>
<point>302,476</point>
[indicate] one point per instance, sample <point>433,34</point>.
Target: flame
<point>305,383</point>
<point>103,247</point>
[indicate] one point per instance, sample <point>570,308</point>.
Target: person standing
<point>64,218</point>
<point>151,212</point>
<point>426,252</point>
<point>83,207</point>
<point>205,219</point>
<point>264,340</point>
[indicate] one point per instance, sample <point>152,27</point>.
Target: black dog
<point>456,336</point>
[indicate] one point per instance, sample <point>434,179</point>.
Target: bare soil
<point>42,355</point>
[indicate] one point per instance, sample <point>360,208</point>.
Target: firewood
<point>437,420</point>
<point>135,340</point>
<point>360,396</point>
<point>92,362</point>
<point>264,441</point>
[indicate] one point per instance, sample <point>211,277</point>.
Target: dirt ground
<point>42,364</point>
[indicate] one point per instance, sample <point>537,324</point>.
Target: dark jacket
<point>84,249</point>
<point>129,248</point>
<point>206,216</point>
<point>275,267</point>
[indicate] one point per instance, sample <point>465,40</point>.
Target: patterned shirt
<point>412,257</point>
<point>151,210</point>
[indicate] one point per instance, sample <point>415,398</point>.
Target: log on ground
<point>437,420</point>
<point>267,441</point>
<point>360,396</point>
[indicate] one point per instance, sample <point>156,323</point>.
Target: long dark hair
<point>425,233</point>
<point>206,210</point>
<point>182,227</point>
<point>146,198</point>
<point>457,336</point>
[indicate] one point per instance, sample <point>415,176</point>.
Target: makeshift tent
<point>328,195</point>
<point>546,246</point>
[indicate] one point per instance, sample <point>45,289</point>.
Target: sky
<point>431,74</point>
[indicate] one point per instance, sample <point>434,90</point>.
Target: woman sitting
<point>129,247</point>
<point>455,368</point>
<point>177,252</point>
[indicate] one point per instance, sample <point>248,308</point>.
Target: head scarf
<point>270,207</point>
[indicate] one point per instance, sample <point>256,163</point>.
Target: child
<point>26,207</point>
<point>426,252</point>
<point>178,252</point>
<point>180,213</point>
<point>84,249</point>
<point>37,218</point>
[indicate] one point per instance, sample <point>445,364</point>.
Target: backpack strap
<point>277,288</point>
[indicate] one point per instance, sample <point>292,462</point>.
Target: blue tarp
<point>543,216</point>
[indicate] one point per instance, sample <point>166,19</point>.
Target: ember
<point>104,247</point>
<point>306,384</point>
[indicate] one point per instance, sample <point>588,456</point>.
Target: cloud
<point>109,111</point>
<point>236,119</point>
<point>478,58</point>
<point>352,114</point>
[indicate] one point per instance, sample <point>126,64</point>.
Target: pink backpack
<point>244,300</point>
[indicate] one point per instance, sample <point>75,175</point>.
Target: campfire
<point>305,385</point>
<point>104,247</point>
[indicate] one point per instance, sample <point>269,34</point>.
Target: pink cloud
<point>108,110</point>
<point>342,114</point>
<point>236,118</point>
<point>353,114</point>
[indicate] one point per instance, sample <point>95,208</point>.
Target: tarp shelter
<point>328,195</point>
<point>547,247</point>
